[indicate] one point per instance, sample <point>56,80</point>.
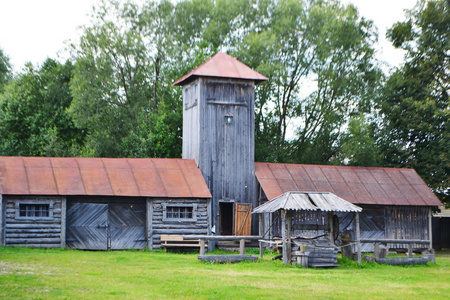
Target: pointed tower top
<point>222,65</point>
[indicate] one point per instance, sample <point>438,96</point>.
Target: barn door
<point>87,226</point>
<point>243,221</point>
<point>127,226</point>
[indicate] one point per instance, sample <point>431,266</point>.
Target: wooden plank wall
<point>224,153</point>
<point>158,226</point>
<point>33,233</point>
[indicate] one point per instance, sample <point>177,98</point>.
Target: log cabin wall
<point>177,216</point>
<point>34,221</point>
<point>223,151</point>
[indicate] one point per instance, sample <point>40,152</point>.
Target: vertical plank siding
<point>32,232</point>
<point>159,226</point>
<point>376,222</point>
<point>223,152</point>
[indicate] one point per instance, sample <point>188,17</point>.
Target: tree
<point>415,103</point>
<point>319,44</point>
<point>33,116</point>
<point>5,70</point>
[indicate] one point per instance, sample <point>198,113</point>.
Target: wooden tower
<point>218,132</point>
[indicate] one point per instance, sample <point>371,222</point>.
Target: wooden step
<point>323,265</point>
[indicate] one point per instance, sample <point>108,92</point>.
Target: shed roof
<point>307,201</point>
<point>144,177</point>
<point>358,185</point>
<point>222,65</point>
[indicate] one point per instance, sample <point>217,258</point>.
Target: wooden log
<point>395,241</point>
<point>226,258</point>
<point>403,260</point>
<point>34,241</point>
<point>202,246</point>
<point>358,238</point>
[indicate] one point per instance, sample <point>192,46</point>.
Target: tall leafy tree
<point>5,70</point>
<point>33,116</point>
<point>415,103</point>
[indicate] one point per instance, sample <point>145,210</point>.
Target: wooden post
<point>284,236</point>
<point>330,226</point>
<point>1,221</point>
<point>430,228</point>
<point>261,250</point>
<point>202,246</point>
<point>150,223</point>
<point>289,236</point>
<point>410,252</point>
<point>242,247</point>
<point>358,238</point>
<point>63,221</point>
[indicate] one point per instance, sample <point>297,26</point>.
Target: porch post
<point>358,238</point>
<point>284,236</point>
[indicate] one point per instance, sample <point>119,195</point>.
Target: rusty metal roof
<point>358,185</point>
<point>311,201</point>
<point>140,177</point>
<point>222,65</point>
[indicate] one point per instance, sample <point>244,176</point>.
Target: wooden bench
<point>177,241</point>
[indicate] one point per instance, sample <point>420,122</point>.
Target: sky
<point>33,30</point>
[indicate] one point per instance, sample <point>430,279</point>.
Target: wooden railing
<point>409,242</point>
<point>241,240</point>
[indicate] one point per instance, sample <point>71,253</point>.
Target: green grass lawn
<point>58,273</point>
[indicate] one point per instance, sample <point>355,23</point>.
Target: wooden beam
<point>289,236</point>
<point>330,215</point>
<point>2,229</point>
<point>430,228</point>
<point>149,224</point>
<point>242,247</point>
<point>358,238</point>
<point>284,236</point>
<point>63,221</point>
<point>221,237</point>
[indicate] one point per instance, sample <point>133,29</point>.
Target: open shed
<point>290,204</point>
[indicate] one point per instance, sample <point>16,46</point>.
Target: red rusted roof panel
<point>263,171</point>
<point>358,185</point>
<point>13,177</point>
<point>193,175</point>
<point>144,177</point>
<point>40,176</point>
<point>174,183</point>
<point>95,177</point>
<point>279,171</point>
<point>222,65</point>
<point>121,177</point>
<point>287,185</point>
<point>147,178</point>
<point>67,176</point>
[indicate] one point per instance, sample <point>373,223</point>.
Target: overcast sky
<point>33,30</point>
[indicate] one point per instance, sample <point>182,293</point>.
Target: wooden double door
<point>102,226</point>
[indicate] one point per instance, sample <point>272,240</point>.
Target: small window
<point>29,209</point>
<point>34,210</point>
<point>182,212</point>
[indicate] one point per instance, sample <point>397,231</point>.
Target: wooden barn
<point>396,203</point>
<point>105,203</point>
<point>100,203</point>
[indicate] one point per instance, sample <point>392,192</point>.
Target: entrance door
<point>87,226</point>
<point>127,224</point>
<point>102,226</point>
<point>243,224</point>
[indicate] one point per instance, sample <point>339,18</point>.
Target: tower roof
<point>222,65</point>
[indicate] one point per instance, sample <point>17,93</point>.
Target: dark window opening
<point>34,210</point>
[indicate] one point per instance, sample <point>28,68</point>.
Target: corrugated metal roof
<point>358,185</point>
<point>140,177</point>
<point>307,201</point>
<point>222,65</point>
